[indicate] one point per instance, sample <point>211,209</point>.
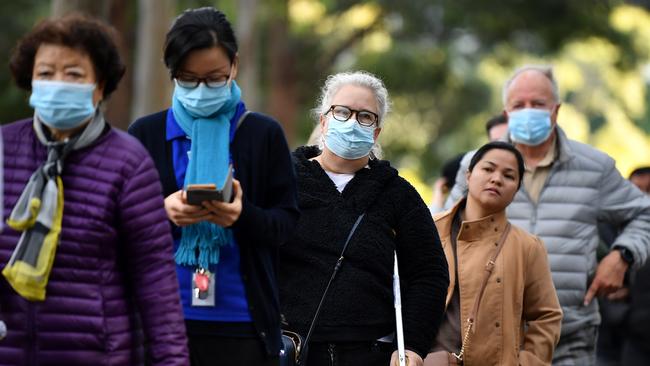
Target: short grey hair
<point>545,70</point>
<point>335,82</point>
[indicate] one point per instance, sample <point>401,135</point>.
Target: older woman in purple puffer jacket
<point>87,270</point>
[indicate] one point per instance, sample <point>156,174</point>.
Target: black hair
<point>503,146</point>
<point>450,170</point>
<point>198,29</point>
<point>640,171</point>
<point>499,119</point>
<point>90,36</point>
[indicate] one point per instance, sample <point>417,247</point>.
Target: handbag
<point>291,346</point>
<point>444,358</point>
<point>294,346</point>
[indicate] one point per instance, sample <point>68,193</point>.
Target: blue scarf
<point>208,163</point>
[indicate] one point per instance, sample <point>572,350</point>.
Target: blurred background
<point>443,61</point>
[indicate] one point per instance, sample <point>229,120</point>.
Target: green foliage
<point>443,62</point>
<point>17,18</point>
<point>437,48</point>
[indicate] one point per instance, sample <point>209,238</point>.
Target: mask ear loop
<point>321,137</point>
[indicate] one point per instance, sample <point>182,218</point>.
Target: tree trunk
<point>283,96</point>
<point>118,106</point>
<point>96,8</point>
<point>152,88</point>
<point>115,12</point>
<point>246,30</point>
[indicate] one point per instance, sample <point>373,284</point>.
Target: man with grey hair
<point>568,187</point>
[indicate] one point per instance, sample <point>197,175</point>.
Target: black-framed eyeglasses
<point>343,113</point>
<point>191,82</point>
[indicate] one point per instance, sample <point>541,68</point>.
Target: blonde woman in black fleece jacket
<point>337,183</point>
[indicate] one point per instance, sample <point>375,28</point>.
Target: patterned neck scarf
<point>39,213</point>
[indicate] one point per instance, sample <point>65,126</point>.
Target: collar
<point>476,230</point>
<point>564,151</point>
<point>173,130</point>
<point>317,190</point>
<point>550,156</point>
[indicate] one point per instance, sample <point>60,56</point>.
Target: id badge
<point>203,288</point>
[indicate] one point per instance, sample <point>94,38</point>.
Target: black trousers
<point>218,351</point>
<point>349,354</point>
<point>635,353</point>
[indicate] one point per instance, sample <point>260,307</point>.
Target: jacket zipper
<point>331,349</point>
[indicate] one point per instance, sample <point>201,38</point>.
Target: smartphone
<point>197,193</point>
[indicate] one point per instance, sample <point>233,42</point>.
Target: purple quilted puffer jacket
<point>112,296</point>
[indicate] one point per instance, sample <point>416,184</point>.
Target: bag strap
<point>242,118</point>
<point>489,267</point>
<point>337,266</point>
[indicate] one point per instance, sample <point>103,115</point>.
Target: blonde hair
<point>335,82</point>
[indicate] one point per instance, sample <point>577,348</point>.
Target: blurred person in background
<point>640,177</point>
<point>337,184</point>
<point>88,276</point>
<point>226,252</point>
<point>625,328</point>
<point>568,188</point>
<point>519,318</point>
<point>445,183</point>
<point>637,336</point>
<point>497,127</point>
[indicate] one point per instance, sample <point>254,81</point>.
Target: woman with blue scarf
<point>226,252</point>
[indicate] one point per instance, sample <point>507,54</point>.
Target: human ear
<point>376,133</point>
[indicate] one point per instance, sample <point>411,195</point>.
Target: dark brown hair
<point>90,36</point>
<point>499,119</point>
<point>197,29</point>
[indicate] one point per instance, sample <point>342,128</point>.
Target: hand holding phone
<point>198,193</point>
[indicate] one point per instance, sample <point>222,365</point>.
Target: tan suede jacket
<point>519,319</point>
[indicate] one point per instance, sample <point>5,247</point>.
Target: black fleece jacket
<point>359,306</point>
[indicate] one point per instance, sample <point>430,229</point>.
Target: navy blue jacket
<point>263,166</point>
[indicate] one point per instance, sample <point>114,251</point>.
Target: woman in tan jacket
<point>502,308</point>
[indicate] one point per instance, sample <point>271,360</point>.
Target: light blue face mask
<point>529,126</point>
<point>62,105</point>
<point>201,102</point>
<point>349,139</point>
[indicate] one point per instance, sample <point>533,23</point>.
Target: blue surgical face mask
<point>349,139</point>
<point>202,101</point>
<point>529,126</point>
<point>62,105</point>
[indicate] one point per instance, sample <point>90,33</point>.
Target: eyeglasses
<point>342,113</point>
<point>210,81</point>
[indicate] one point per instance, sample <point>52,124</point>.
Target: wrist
<point>626,255</point>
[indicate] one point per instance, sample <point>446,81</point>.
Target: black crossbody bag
<point>294,346</point>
